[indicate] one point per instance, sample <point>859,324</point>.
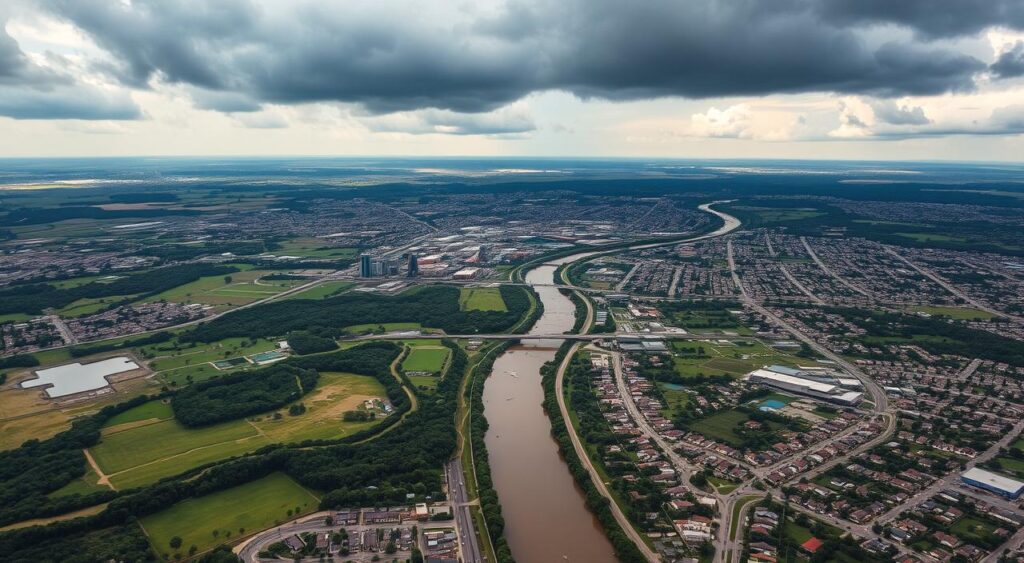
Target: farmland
<point>207,521</point>
<point>141,450</point>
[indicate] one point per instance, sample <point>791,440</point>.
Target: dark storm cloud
<point>411,58</point>
<point>929,18</point>
<point>1011,63</point>
<point>889,112</point>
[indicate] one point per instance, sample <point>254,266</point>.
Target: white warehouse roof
<point>1011,486</point>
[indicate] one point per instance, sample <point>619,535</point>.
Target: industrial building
<point>795,381</point>
<point>993,482</point>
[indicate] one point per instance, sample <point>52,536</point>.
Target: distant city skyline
<point>792,79</point>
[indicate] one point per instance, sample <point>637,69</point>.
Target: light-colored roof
<point>1000,482</point>
<point>826,388</point>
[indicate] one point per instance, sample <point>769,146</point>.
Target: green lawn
<point>216,518</point>
<point>931,237</point>
<point>426,359</point>
<point>721,426</point>
<point>674,399</point>
<point>82,486</point>
<point>481,299</point>
<point>244,287</point>
<point>166,357</point>
<point>1011,466</point>
<point>314,248</point>
<point>136,453</point>
<point>739,358</point>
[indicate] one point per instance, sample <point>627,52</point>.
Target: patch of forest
<point>435,306</point>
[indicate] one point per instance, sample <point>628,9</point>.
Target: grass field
<point>207,521</point>
<point>323,291</point>
<point>82,486</point>
<point>1012,467</point>
<point>778,215</point>
<point>481,299</point>
<point>734,359</point>
<point>153,410</point>
<point>931,237</point>
<point>244,287</point>
<point>422,358</point>
<point>958,313</point>
<point>139,452</point>
<point>314,248</point>
<point>165,357</point>
<point>721,426</point>
<point>674,399</point>
<point>381,327</point>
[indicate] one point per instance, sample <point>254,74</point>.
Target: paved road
<point>584,457</point>
<point>249,549</point>
<point>950,288</point>
<point>468,544</point>
<point>827,270</point>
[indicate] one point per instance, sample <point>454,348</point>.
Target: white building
<point>773,377</point>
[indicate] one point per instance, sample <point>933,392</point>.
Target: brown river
<point>546,519</point>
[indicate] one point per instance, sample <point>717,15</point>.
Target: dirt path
<point>104,478</point>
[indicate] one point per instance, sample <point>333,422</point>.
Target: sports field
<point>144,450</point>
<point>423,358</point>
<point>481,299</point>
<point>216,518</point>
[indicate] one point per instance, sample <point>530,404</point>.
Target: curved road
<point>730,224</point>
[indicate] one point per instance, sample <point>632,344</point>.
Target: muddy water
<point>546,519</point>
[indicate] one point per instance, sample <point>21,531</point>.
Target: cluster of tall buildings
<point>378,267</point>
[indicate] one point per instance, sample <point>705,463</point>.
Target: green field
<point>735,359</point>
<point>171,355</point>
<point>721,426</point>
<point>778,215</point>
<point>674,399</point>
<point>931,237</point>
<point>244,287</point>
<point>157,410</point>
<point>481,299</point>
<point>377,328</point>
<point>957,313</point>
<point>421,358</point>
<point>323,291</point>
<point>137,452</point>
<point>82,486</point>
<point>1011,466</point>
<point>314,248</point>
<point>216,518</point>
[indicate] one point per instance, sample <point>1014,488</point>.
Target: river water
<point>546,519</point>
<point>545,515</point>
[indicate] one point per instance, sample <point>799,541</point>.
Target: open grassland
<point>144,450</point>
<point>481,299</point>
<point>170,355</point>
<point>735,359</point>
<point>314,248</point>
<point>323,291</point>
<point>422,358</point>
<point>26,415</point>
<point>721,426</point>
<point>213,519</point>
<point>153,410</point>
<point>243,288</point>
<point>377,328</point>
<point>88,483</point>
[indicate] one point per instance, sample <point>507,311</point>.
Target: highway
<point>469,545</point>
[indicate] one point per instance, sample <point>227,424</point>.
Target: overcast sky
<point>869,79</point>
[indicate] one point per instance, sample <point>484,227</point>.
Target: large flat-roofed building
<point>789,379</point>
<point>993,482</point>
